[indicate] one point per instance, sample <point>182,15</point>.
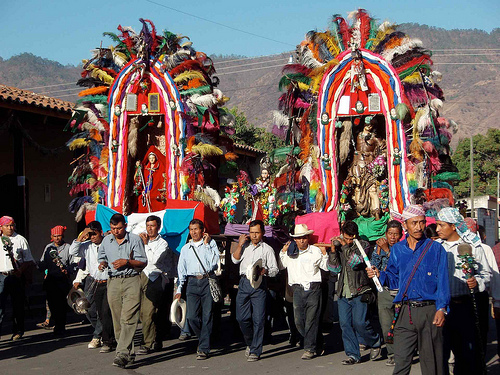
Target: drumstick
<point>369,265</point>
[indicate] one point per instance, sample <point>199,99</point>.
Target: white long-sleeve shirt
<point>458,284</point>
<point>160,259</point>
<point>89,251</point>
<point>252,253</point>
<point>305,268</point>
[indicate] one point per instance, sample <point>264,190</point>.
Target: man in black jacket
<point>354,292</point>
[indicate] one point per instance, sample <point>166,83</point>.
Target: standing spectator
<point>123,254</point>
<point>250,302</point>
<point>418,268</point>
<point>86,246</point>
<point>200,254</point>
<point>15,262</point>
<point>380,257</point>
<point>355,293</point>
<point>304,276</point>
<point>56,261</point>
<point>157,252</point>
<point>460,334</point>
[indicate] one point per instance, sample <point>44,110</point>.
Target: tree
<point>486,163</point>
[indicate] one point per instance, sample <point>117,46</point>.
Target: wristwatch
<point>445,312</point>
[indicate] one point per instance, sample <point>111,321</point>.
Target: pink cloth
<point>4,220</point>
<point>324,224</point>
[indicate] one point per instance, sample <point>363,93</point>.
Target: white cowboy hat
<point>178,312</point>
<point>301,230</point>
<point>254,275</point>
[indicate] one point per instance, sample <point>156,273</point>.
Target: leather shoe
<point>374,353</point>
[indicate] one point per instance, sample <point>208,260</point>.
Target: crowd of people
<point>429,286</point>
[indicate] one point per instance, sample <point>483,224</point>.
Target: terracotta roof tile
<point>12,94</point>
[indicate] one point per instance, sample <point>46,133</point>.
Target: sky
<point>66,30</point>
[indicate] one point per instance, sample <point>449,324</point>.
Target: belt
<point>101,281</point>
<point>419,303</point>
<point>199,277</point>
<point>124,276</point>
<point>10,273</point>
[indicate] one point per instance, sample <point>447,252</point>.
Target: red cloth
<point>58,230</point>
<point>4,220</point>
<point>324,224</point>
<point>153,179</point>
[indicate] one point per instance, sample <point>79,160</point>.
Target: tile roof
<point>24,97</point>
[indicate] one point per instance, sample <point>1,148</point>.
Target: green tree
<point>486,163</point>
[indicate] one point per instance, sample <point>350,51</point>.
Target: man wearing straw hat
<point>418,268</point>
<point>460,331</point>
<point>304,262</point>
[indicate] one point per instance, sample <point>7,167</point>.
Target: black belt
<point>419,303</point>
<point>124,276</point>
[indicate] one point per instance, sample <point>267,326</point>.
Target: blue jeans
<point>13,286</point>
<point>199,311</point>
<point>251,314</point>
<point>354,320</point>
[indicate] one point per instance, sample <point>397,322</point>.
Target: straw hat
<point>301,230</point>
<point>178,312</point>
<point>254,275</point>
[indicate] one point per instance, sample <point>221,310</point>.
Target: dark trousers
<point>386,316</point>
<point>104,314</point>
<point>199,311</point>
<point>13,286</point>
<point>461,337</point>
<point>92,314</point>
<point>57,289</point>
<point>251,314</point>
<point>355,322</point>
<point>163,323</point>
<point>422,334</point>
<point>307,310</point>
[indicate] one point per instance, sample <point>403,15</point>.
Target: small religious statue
<point>368,157</point>
<point>150,182</point>
<point>358,78</point>
<point>263,197</point>
<point>114,146</point>
<point>396,157</point>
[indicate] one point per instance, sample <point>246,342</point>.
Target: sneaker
<point>374,353</point>
<point>143,350</point>
<point>94,344</point>
<point>17,336</point>
<point>200,356</point>
<point>122,361</point>
<point>247,352</point>
<point>308,355</point>
<point>350,361</point>
<point>253,357</point>
<point>184,337</point>
<point>390,362</point>
<point>106,349</point>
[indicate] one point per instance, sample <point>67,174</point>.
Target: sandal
<point>350,361</point>
<point>44,324</point>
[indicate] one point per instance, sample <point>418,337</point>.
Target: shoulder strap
<point>199,260</point>
<point>415,267</point>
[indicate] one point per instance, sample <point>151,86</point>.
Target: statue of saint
<point>149,181</point>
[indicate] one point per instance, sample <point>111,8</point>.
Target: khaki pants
<point>151,293</point>
<point>124,298</point>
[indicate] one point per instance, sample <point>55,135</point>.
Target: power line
<point>468,54</point>
<point>220,24</point>
<point>468,49</point>
<point>252,58</point>
<point>255,63</point>
<point>451,63</point>
<point>42,87</point>
<point>249,70</point>
<point>53,92</point>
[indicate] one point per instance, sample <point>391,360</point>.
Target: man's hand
<point>177,296</point>
<point>242,239</point>
<point>285,248</point>
<point>382,244</point>
<point>472,282</point>
<point>119,263</point>
<point>439,318</point>
<point>84,236</point>
<point>372,272</point>
<point>495,312</point>
<point>144,237</point>
<point>323,250</point>
<point>103,265</point>
<point>206,238</point>
<point>338,239</point>
<point>76,285</point>
<point>263,271</point>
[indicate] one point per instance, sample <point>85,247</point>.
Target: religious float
<point>149,128</point>
<point>361,115</point>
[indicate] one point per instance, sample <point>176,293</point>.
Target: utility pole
<point>472,213</point>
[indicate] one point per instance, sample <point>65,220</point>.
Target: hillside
<point>470,81</point>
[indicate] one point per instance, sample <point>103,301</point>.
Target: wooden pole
<point>472,213</point>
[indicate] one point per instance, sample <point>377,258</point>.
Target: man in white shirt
<point>157,251</point>
<point>304,276</point>
<point>460,334</point>
<point>15,261</point>
<point>250,302</point>
<point>86,246</point>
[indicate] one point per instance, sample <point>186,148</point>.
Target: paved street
<point>39,353</point>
